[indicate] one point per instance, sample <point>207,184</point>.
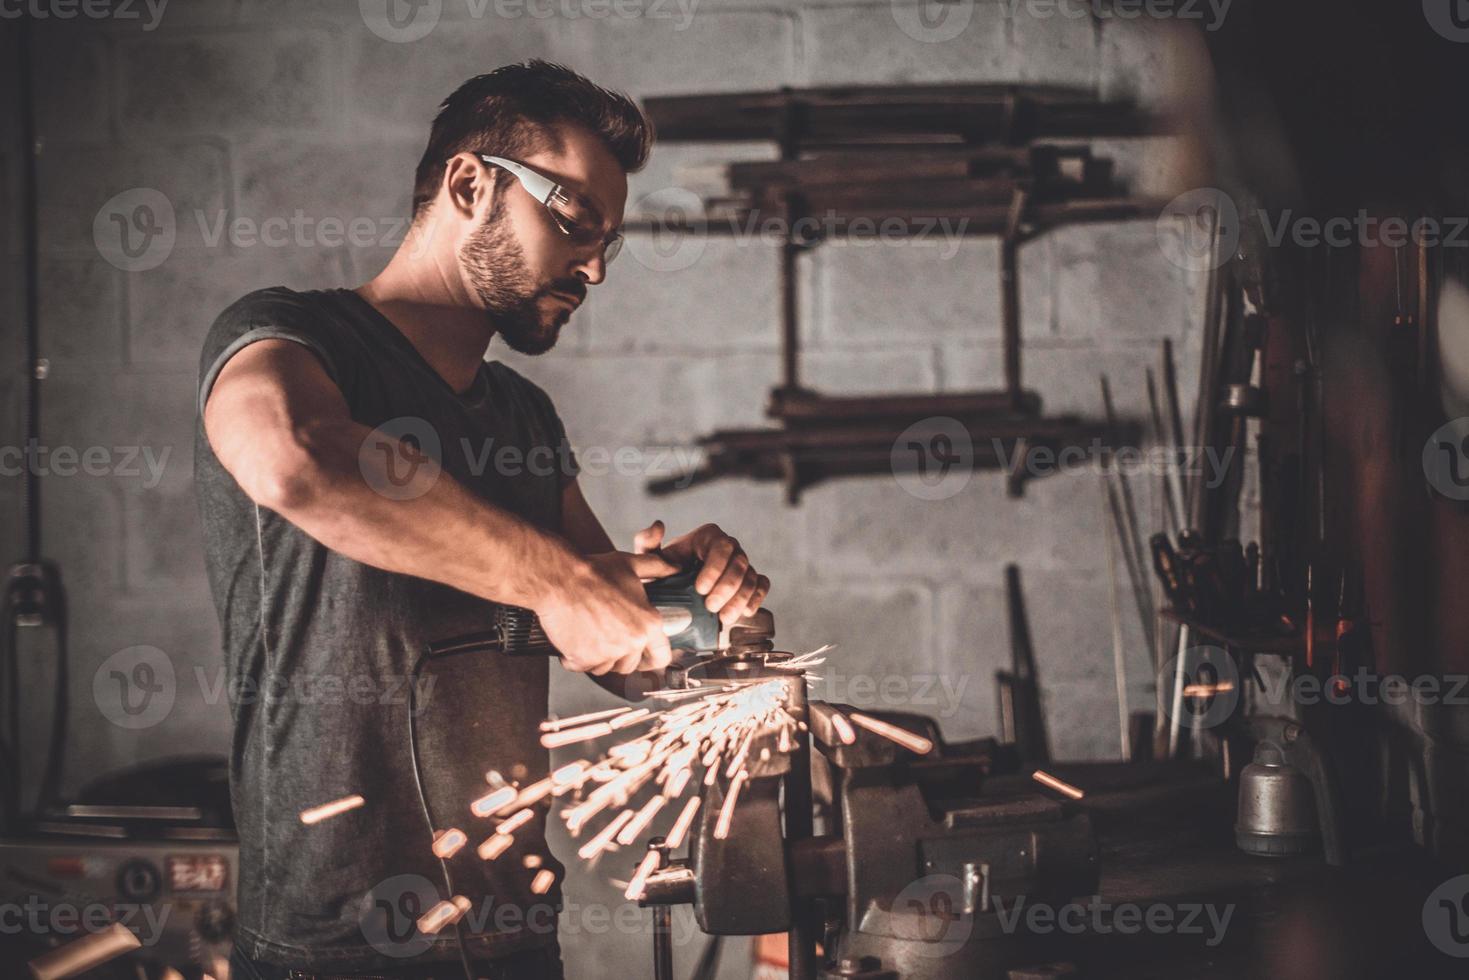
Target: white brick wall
<point>260,108</point>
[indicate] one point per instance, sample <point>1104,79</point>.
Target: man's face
<point>526,272</point>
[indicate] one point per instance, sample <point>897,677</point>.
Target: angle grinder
<point>689,625</point>
<point>702,651</point>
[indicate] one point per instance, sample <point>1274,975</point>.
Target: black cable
<point>10,738</point>
<point>428,817</point>
<point>37,594</point>
<point>50,789</point>
<point>9,764</point>
<point>30,245</point>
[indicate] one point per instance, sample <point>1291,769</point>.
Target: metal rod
<point>1136,575</point>
<point>806,927</point>
<point>662,942</point>
<point>1128,532</point>
<point>1176,716</point>
<point>1155,413</point>
<point>1010,296</point>
<point>1208,351</point>
<point>1119,656</point>
<point>1175,418</point>
<point>789,327</point>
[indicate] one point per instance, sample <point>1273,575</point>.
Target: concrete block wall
<point>258,110</point>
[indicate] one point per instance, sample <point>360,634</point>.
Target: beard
<point>495,265</point>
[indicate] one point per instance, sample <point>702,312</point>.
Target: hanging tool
<point>1022,723</point>
<point>1160,435</point>
<point>1348,641</point>
<point>1119,655</point>
<point>1119,491</point>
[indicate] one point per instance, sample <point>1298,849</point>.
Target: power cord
<point>428,817</point>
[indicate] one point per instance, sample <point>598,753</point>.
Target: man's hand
<point>602,621</point>
<point>730,586</point>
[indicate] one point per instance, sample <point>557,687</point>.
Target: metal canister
<point>1277,806</point>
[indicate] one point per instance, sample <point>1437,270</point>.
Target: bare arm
<point>283,430</point>
<point>579,524</point>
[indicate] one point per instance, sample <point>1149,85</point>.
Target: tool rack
<point>995,160</point>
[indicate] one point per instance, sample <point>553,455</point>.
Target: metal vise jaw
<point>930,862</point>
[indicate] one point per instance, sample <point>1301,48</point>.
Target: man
<point>337,551</point>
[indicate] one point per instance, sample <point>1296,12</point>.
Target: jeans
<point>535,964</point>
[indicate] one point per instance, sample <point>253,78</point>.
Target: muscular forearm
<point>325,485</point>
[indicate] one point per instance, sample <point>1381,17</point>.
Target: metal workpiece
<point>673,885</point>
<point>662,921</point>
<point>918,838</point>
<point>896,835</point>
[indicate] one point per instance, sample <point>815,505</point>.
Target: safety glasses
<point>577,217</point>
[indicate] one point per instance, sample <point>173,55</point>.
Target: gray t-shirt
<point>319,650</point>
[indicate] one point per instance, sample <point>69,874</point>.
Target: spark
<point>632,718</point>
<point>598,844</point>
<point>448,842</point>
<point>639,883</point>
<point>543,881</point>
<point>683,823</point>
<point>515,822</point>
<point>677,783</point>
<point>726,812</point>
<point>905,738</point>
<point>556,724</point>
<point>717,728</point>
<point>637,824</point>
<point>328,810</point>
<point>493,846</point>
<point>533,793</point>
<point>714,727</point>
<point>1051,782</point>
<point>570,776</point>
<point>443,914</point>
<point>585,733</point>
<point>493,802</point>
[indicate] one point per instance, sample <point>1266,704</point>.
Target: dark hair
<point>511,111</point>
